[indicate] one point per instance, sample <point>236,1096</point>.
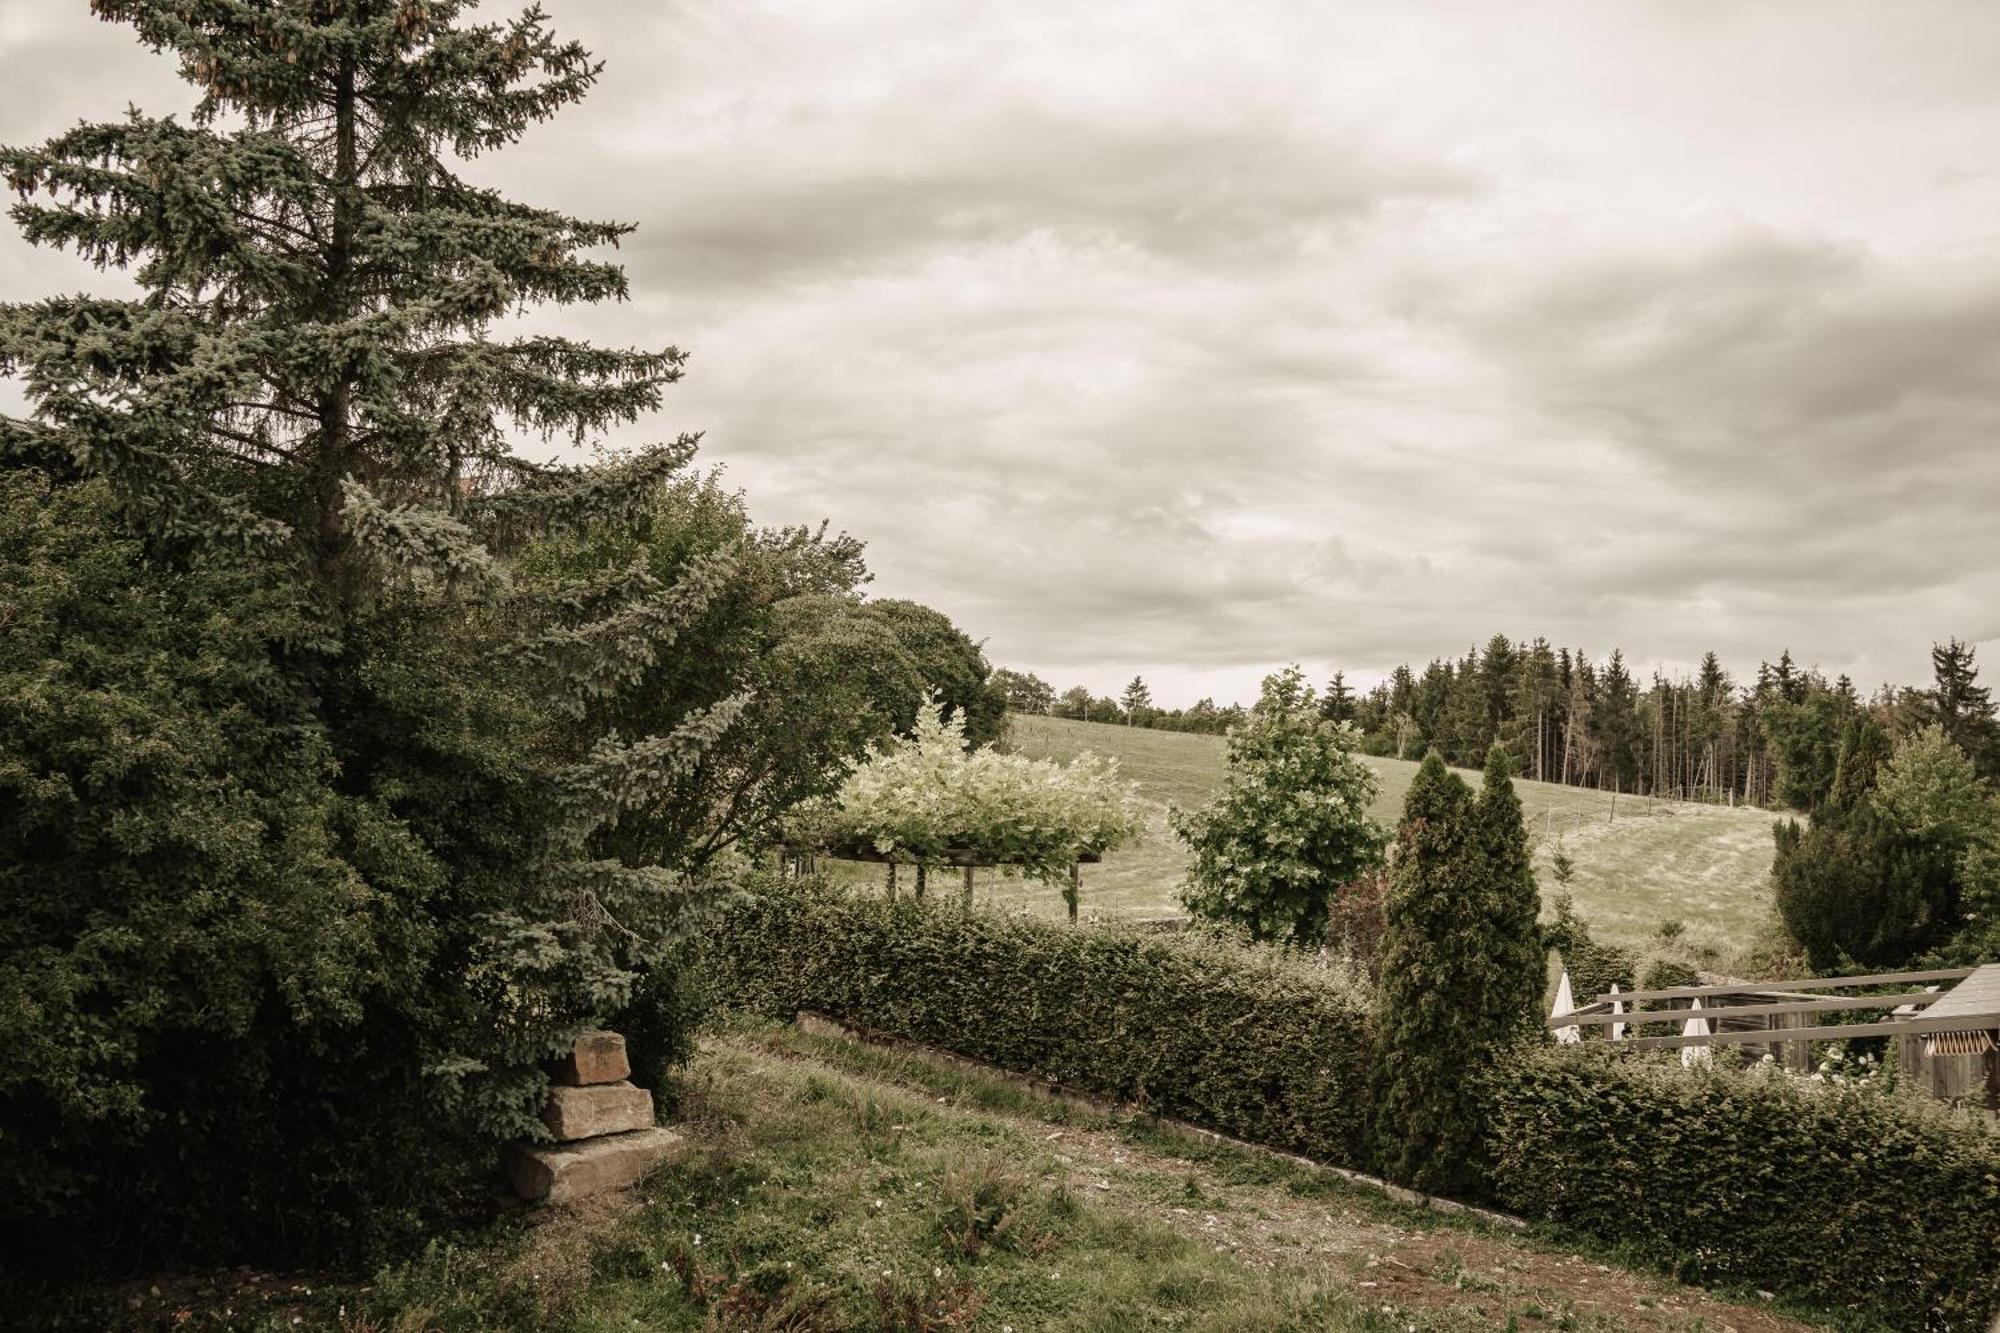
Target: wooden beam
<point>1836,1032</point>
<point>1809,983</point>
<point>1829,1004</point>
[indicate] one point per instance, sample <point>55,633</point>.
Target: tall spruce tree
<point>308,374</point>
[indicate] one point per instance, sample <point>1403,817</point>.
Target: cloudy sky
<point>1192,339</point>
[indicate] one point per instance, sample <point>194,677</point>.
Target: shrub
<point>1290,825</point>
<point>1247,1041</point>
<point>1840,1195</point>
<point>1462,970</point>
<point>923,796</point>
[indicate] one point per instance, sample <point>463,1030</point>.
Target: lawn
<point>836,1187</point>
<point>1638,863</point>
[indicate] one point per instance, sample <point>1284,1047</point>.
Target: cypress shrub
<point>1462,970</point>
<point>1251,1042</point>
<point>1841,1195</point>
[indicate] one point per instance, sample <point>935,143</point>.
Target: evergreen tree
<point>1516,957</point>
<point>1136,700</point>
<point>1855,887</point>
<point>1337,705</point>
<point>1436,960</point>
<point>1963,707</point>
<point>308,375</point>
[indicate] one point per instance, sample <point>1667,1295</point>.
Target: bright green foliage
<point>1876,879</point>
<point>1248,1041</point>
<point>1930,790</point>
<point>1840,1195</point>
<point>1290,824</point>
<point>295,919</point>
<point>1462,970</point>
<point>924,796</point>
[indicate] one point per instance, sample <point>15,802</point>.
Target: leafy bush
<point>923,796</point>
<point>1247,1041</point>
<point>1290,824</point>
<point>1840,1195</point>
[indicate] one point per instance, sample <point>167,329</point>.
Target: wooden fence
<point>1948,1039</point>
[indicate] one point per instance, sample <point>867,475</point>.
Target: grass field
<point>1638,863</point>
<point>831,1187</point>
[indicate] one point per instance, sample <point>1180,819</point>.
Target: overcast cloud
<point>1193,339</point>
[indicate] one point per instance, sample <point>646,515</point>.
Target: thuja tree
<point>1290,825</point>
<point>1461,973</point>
<point>292,920</point>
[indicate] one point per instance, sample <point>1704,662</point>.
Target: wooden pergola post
<point>968,886</point>
<point>892,880</point>
<point>920,878</point>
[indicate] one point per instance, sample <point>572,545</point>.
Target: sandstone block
<point>567,1172</point>
<point>597,1057</point>
<point>601,1108</point>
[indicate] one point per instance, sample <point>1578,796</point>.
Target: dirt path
<point>1487,1277</point>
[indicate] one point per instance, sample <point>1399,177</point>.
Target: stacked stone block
<point>603,1125</point>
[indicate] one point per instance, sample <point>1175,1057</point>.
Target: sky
<point>1189,340</point>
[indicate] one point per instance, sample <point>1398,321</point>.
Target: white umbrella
<point>1696,1055</point>
<point>1565,1004</point>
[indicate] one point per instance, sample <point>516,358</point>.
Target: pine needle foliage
<point>396,832</point>
<point>1462,971</point>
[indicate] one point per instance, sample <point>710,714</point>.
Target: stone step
<point>597,1057</point>
<point>566,1172</point>
<point>601,1108</point>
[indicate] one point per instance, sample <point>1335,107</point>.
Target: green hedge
<point>1842,1196</point>
<point>1249,1042</point>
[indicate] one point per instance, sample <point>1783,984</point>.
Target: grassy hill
<point>1638,862</point>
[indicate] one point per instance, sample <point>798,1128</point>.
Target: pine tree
<point>1137,699</point>
<point>308,374</point>
<point>1337,705</point>
<point>1963,707</point>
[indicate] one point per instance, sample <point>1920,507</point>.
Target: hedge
<point>1843,1196</point>
<point>1248,1042</point>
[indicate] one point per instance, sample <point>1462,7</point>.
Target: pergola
<point>800,858</point>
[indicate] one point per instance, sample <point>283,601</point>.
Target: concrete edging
<point>820,1025</point>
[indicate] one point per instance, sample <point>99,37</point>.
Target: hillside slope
<point>1638,862</point>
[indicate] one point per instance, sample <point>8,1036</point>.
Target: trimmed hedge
<point>1248,1042</point>
<point>1842,1196</point>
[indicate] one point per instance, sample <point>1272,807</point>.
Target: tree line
<point>1773,740</point>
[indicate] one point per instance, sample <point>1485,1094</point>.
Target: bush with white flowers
<point>925,798</point>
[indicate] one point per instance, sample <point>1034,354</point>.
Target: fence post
<point>1794,1055</point>
<point>968,886</point>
